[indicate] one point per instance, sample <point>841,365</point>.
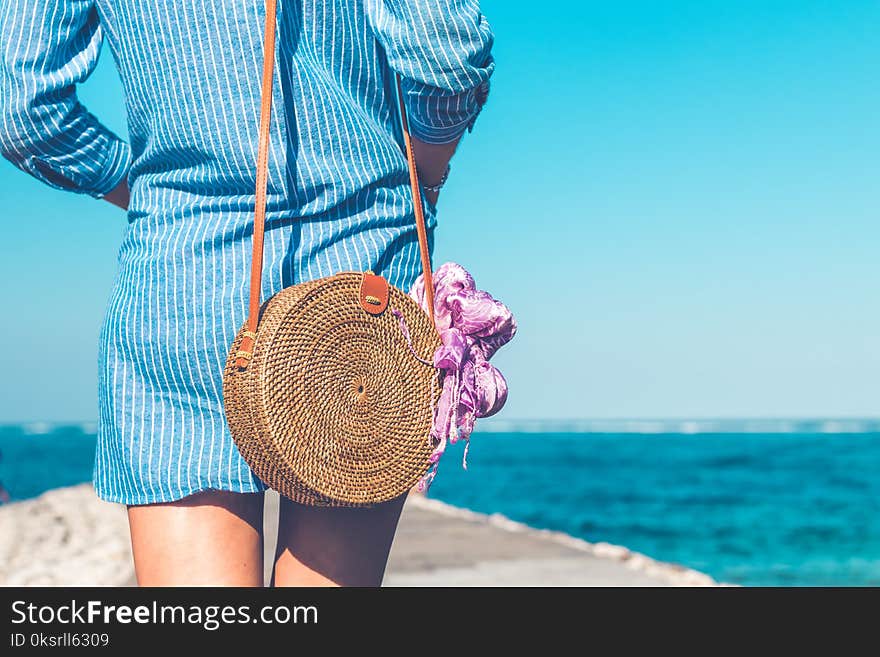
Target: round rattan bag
<point>329,387</point>
<point>334,408</point>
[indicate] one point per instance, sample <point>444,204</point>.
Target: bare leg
<point>213,538</point>
<point>334,546</point>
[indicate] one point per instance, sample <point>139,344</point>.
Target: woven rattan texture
<point>334,409</point>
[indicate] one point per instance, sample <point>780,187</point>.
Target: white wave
<point>683,426</point>
<point>43,428</point>
<point>37,428</point>
<point>88,427</point>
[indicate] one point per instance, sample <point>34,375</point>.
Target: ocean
<point>746,503</point>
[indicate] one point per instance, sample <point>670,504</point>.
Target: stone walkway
<point>70,537</point>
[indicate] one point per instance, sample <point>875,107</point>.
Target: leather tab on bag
<point>374,293</point>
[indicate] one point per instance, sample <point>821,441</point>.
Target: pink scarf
<point>472,326</point>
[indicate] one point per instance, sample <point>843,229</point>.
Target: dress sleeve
<point>442,50</point>
<point>46,48</point>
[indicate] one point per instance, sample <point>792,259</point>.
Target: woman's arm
<point>47,47</point>
<point>432,160</point>
<point>442,50</point>
<point>119,195</point>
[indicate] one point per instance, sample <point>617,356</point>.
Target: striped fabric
<point>338,188</point>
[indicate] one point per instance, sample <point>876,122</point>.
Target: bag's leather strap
<point>416,189</point>
<point>245,351</point>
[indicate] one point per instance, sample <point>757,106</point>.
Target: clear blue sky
<point>679,200</point>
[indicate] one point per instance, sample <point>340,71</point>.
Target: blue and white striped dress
<point>338,189</point>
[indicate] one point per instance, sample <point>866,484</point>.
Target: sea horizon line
<point>644,425</point>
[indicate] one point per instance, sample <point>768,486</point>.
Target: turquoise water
<point>759,509</point>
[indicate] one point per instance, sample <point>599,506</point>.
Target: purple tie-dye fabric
<point>472,327</point>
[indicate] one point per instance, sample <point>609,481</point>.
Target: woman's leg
<point>320,546</point>
<point>213,538</point>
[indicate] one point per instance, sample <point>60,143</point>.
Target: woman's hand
<point>431,161</point>
<point>119,195</point>
<point>432,197</point>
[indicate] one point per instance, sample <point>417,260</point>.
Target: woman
<point>338,200</point>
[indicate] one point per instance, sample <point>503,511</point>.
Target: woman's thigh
<point>320,546</point>
<point>212,538</point>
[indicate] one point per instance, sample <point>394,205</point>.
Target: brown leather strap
<point>246,347</point>
<point>416,188</point>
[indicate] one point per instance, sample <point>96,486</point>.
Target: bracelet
<point>436,188</point>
